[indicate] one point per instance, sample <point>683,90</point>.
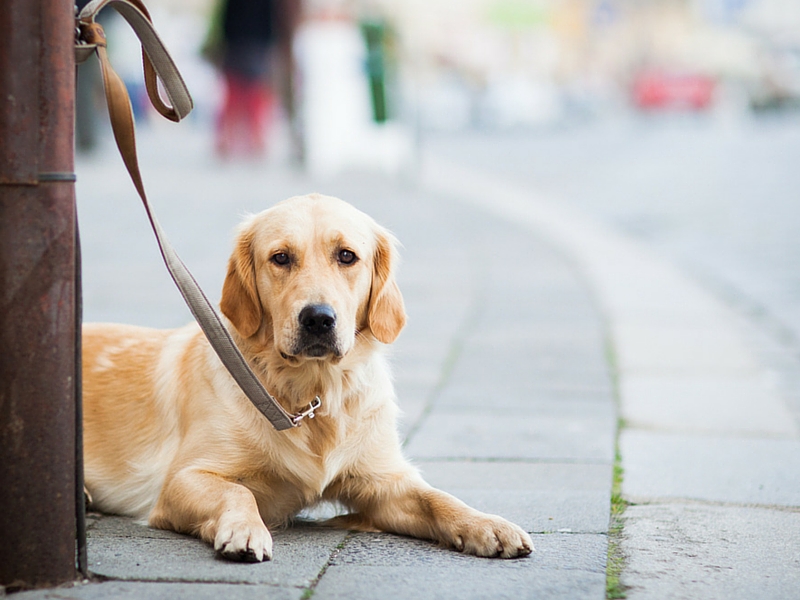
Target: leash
<point>158,65</point>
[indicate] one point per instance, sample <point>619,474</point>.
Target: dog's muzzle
<point>317,332</point>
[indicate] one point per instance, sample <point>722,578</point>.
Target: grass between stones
<point>615,561</point>
<point>308,592</point>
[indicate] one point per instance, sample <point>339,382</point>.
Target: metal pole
<point>37,294</point>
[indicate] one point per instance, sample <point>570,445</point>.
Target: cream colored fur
<point>170,438</point>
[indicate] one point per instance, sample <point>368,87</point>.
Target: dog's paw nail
<point>249,555</point>
<point>527,548</point>
<point>522,548</point>
<point>244,544</point>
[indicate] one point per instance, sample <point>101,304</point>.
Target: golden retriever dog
<point>310,298</point>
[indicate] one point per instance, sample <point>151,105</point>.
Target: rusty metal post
<point>38,333</point>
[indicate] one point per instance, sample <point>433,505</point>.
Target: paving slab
<point>119,548</point>
<point>376,566</point>
<point>138,590</point>
<point>572,334</point>
<point>527,360</point>
<point>655,346</point>
<point>713,468</point>
<point>551,402</point>
<point>535,306</point>
<point>561,552</point>
<point>522,435</point>
<point>401,583</point>
<point>708,552</point>
<point>736,404</point>
<point>545,389</point>
<point>518,475</point>
<point>474,372</point>
<point>539,497</point>
<point>544,512</point>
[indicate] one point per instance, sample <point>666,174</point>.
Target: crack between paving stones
<point>308,591</point>
<point>616,559</point>
<point>98,578</point>
<point>457,345</point>
<point>720,503</point>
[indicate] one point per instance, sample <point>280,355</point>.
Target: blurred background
<point>676,121</point>
<point>356,82</point>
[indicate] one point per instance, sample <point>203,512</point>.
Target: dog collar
<point>309,412</point>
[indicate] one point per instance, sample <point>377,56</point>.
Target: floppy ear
<point>386,313</point>
<point>240,301</point>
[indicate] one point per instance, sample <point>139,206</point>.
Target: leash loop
<point>156,61</point>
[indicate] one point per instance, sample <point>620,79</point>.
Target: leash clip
<point>309,412</point>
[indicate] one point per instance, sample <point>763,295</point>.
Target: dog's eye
<point>347,257</point>
<point>281,258</point>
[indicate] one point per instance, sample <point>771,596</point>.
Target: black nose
<point>317,319</point>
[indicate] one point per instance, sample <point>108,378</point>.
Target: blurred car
<point>661,90</point>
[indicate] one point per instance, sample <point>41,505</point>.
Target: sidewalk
<point>709,446</point>
<point>518,308</point>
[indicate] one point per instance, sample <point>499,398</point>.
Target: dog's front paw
<point>243,541</point>
<point>491,536</point>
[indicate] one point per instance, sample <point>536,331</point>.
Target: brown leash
<point>158,65</point>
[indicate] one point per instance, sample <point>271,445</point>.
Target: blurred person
<point>242,43</point>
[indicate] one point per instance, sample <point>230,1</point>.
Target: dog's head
<point>313,273</point>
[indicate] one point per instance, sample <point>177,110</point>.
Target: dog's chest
<point>328,451</point>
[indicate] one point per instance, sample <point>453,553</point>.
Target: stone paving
<point>530,320</point>
<point>502,376</point>
<point>718,197</point>
<point>706,358</point>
